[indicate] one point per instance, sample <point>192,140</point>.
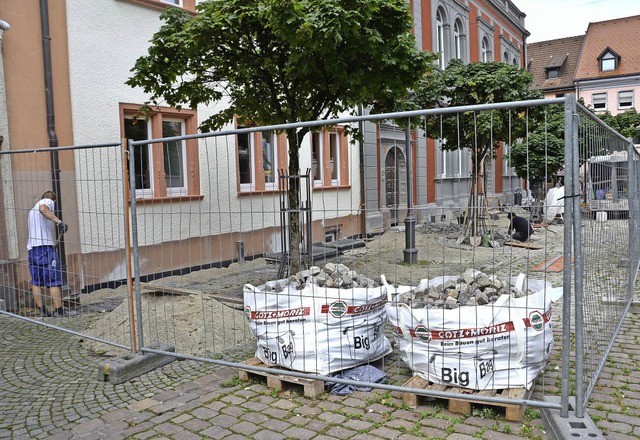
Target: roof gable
<point>561,55</point>
<point>617,36</point>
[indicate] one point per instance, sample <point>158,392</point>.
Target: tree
<point>540,154</point>
<point>481,132</point>
<point>283,61</point>
<point>625,123</point>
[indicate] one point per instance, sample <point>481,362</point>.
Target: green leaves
<point>279,61</point>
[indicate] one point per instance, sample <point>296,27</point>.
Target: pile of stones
<point>472,288</point>
<point>331,275</point>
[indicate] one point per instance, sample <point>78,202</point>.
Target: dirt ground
<point>203,309</point>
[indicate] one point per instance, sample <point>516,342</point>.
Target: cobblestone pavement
<point>49,389</point>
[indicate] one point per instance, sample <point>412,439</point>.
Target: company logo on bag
<point>279,314</point>
<point>537,320</point>
<point>340,308</point>
<point>422,333</point>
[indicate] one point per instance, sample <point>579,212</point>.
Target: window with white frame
<point>457,39</point>
<point>608,62</point>
<point>599,101</point>
<point>329,158</point>
<point>485,51</point>
<point>260,156</point>
<point>515,61</point>
<point>174,153</point>
<point>173,2</point>
<point>505,57</point>
<point>167,169</point>
<point>507,169</point>
<point>625,99</point>
<point>453,163</point>
<point>440,49</point>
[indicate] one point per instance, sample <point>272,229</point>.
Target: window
<point>330,158</point>
<point>457,39</point>
<point>189,5</point>
<point>485,51</point>
<point>625,99</point>
<point>599,101</point>
<point>261,155</point>
<point>168,169</point>
<point>507,169</point>
<point>515,61</point>
<point>505,58</point>
<point>440,38</point>
<point>553,72</point>
<point>454,163</point>
<point>608,62</point>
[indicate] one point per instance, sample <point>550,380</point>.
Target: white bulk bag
<point>316,329</point>
<point>493,346</point>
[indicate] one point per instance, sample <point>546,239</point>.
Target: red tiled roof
<point>563,53</point>
<point>621,36</point>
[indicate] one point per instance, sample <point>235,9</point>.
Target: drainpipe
<point>51,122</point>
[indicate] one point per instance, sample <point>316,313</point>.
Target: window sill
<point>325,188</point>
<point>159,6</point>
<point>250,192</point>
<point>168,199</point>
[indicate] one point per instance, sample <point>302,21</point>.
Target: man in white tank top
<point>44,262</point>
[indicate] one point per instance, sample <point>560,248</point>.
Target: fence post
<point>127,235</point>
<point>570,138</point>
<point>634,224</point>
<point>134,240</point>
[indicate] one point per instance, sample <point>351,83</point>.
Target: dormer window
<point>553,72</point>
<point>609,61</point>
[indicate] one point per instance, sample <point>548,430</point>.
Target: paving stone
<point>265,434</point>
<point>245,428</point>
<point>216,432</point>
<point>299,433</point>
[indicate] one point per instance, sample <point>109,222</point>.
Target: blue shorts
<point>44,265</point>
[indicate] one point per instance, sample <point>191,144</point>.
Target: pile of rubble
<point>332,275</point>
<point>473,288</point>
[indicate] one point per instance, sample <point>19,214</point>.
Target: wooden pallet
<point>513,412</point>
<point>312,388</point>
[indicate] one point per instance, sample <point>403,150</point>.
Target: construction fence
<point>390,248</point>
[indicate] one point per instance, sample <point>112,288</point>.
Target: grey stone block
<point>123,368</point>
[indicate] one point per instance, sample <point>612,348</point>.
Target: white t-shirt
<point>40,227</point>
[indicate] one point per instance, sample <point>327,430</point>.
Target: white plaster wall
<point>105,39</point>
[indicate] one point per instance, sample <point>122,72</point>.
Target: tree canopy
<point>540,154</point>
<point>277,61</point>
<point>471,84</point>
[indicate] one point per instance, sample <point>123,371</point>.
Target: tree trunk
<point>295,235</point>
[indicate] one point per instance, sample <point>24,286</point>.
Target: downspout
<point>51,122</point>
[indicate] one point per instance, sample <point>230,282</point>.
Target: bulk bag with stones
<point>317,329</point>
<point>498,345</point>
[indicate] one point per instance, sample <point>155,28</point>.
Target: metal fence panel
<point>388,210</point>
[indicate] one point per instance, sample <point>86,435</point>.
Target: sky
<point>551,19</point>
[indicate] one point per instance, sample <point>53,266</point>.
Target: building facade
<point>470,30</point>
<point>93,46</point>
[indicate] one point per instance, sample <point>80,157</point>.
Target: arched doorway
<point>395,182</point>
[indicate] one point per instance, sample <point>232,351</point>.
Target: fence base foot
<point>121,369</point>
<point>560,428</point>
